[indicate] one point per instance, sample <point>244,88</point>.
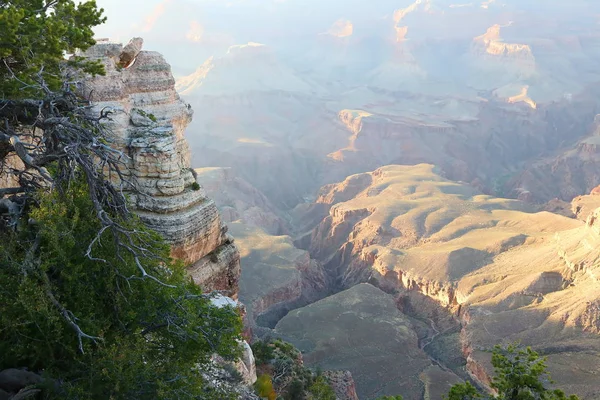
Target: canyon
<point>451,271</point>
<point>407,185</point>
<point>365,170</point>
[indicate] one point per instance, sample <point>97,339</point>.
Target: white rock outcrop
<point>149,120</point>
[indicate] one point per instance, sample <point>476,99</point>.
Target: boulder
<point>13,380</point>
<point>246,366</point>
<point>130,52</point>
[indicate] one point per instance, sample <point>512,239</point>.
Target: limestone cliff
<point>492,45</point>
<point>149,120</point>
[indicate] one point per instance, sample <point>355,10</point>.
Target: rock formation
<point>489,268</point>
<point>583,206</point>
<point>343,384</point>
<point>149,120</point>
<point>362,330</point>
<point>19,384</point>
<point>341,28</point>
<point>575,171</point>
<point>276,276</point>
<point>491,46</point>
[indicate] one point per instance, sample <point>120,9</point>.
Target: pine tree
<point>520,374</point>
<point>35,36</point>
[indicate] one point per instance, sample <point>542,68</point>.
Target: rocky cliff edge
<point>149,120</point>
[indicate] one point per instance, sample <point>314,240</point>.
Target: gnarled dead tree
<point>49,143</point>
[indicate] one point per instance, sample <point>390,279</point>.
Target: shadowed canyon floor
<point>362,330</point>
<point>458,270</point>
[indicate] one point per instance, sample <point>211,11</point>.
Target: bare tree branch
<point>62,132</point>
<point>68,315</point>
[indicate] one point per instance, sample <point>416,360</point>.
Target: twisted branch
<point>62,132</point>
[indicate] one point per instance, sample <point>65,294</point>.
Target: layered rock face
<point>277,276</point>
<point>493,51</point>
<point>583,206</point>
<point>576,169</point>
<point>149,119</point>
<point>343,384</point>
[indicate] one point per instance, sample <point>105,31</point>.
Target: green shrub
<point>295,390</point>
<point>263,352</point>
<point>146,339</point>
<point>264,387</point>
<point>321,390</point>
<point>520,374</point>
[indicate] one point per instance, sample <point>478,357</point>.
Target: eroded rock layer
<point>362,330</point>
<point>149,120</point>
<point>276,276</point>
<point>501,271</point>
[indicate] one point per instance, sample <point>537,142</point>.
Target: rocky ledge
<point>149,119</point>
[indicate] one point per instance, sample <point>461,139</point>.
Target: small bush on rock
<point>264,387</point>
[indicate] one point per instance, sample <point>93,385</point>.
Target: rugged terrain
<point>276,275</point>
<point>457,270</point>
<point>494,102</point>
<point>397,155</point>
<point>362,330</point>
<point>461,261</point>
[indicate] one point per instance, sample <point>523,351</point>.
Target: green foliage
<point>36,34</point>
<point>295,390</point>
<point>464,391</point>
<point>195,186</point>
<point>320,389</point>
<point>263,352</point>
<point>283,362</point>
<point>143,113</point>
<point>390,398</point>
<point>520,374</point>
<point>264,387</point>
<point>285,349</point>
<point>152,338</point>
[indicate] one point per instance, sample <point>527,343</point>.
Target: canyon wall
<point>495,96</point>
<point>477,270</point>
<point>277,276</point>
<point>149,119</point>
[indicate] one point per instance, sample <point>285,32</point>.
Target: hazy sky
<point>190,31</point>
<point>127,17</point>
